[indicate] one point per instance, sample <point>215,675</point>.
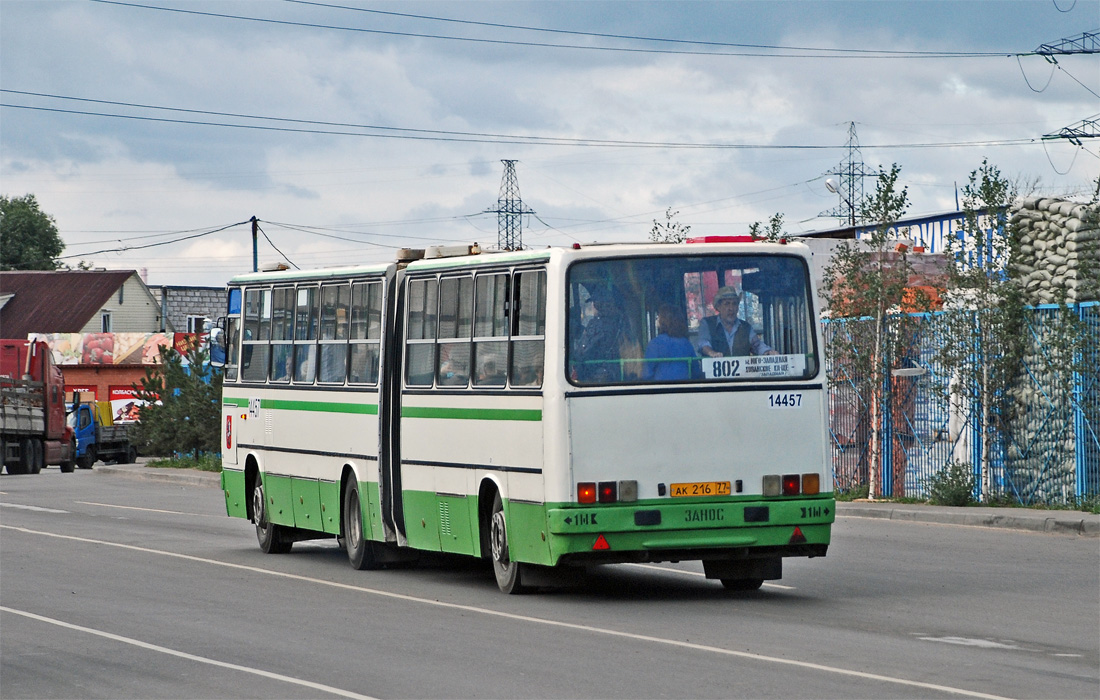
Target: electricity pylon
<point>510,210</point>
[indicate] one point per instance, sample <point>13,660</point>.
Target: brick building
<point>187,307</point>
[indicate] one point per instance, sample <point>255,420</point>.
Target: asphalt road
<point>119,588</point>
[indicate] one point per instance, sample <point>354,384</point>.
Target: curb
<point>1049,521</point>
<point>190,477</point>
<point>1067,522</point>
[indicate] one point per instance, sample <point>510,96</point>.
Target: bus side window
<point>366,332</point>
<point>420,332</point>
<point>456,311</point>
<point>528,327</point>
<point>333,348</point>
<point>257,330</point>
<point>305,336</point>
<point>491,330</point>
<point>282,333</point>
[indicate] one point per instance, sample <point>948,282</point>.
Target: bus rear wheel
<point>361,551</point>
<point>272,538</point>
<point>509,574</point>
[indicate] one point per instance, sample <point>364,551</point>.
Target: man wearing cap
<point>725,335</point>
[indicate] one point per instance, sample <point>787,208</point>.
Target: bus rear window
<point>713,318</point>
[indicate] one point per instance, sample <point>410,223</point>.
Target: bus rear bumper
<point>729,531</point>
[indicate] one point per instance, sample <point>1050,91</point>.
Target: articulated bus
<point>547,410</point>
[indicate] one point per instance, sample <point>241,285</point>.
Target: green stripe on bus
<point>325,406</point>
<point>370,409</point>
<point>471,413</point>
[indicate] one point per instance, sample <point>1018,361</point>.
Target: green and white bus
<point>547,410</point>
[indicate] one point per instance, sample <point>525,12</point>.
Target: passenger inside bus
<point>726,335</point>
<point>670,355</point>
<point>599,349</point>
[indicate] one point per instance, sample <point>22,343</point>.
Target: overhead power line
<point>376,131</point>
<point>794,52</point>
<point>152,245</point>
<point>836,52</point>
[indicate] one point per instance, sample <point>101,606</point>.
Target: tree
<point>865,282</point>
<point>187,418</point>
<point>774,231</point>
<point>28,236</point>
<point>669,231</point>
<point>983,339</point>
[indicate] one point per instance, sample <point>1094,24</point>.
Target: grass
<point>204,462</point>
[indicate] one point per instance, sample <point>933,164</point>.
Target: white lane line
<point>190,657</point>
<point>695,573</point>
<point>149,510</point>
<point>534,620</point>
<point>36,509</point>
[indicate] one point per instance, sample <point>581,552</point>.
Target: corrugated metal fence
<point>1046,449</point>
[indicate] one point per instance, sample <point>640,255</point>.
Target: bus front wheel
<point>272,538</point>
<point>361,552</point>
<point>508,573</point>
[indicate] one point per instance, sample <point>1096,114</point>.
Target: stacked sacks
<point>1059,250</point>
<point>1058,261</point>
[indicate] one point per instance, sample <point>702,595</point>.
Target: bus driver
<point>725,335</point>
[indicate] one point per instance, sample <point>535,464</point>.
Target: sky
<point>152,131</point>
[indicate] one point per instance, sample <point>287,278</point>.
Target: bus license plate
<point>701,488</point>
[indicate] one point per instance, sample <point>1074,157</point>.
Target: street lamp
<point>831,186</point>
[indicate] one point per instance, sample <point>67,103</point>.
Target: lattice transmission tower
<point>849,185</point>
<point>510,210</point>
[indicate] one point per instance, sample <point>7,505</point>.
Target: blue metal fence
<point>1045,449</point>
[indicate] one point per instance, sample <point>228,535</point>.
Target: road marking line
<point>696,573</point>
<point>149,510</point>
<point>190,657</point>
<point>526,618</point>
<point>37,509</point>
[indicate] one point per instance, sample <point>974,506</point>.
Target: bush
<point>206,462</point>
<point>954,486</point>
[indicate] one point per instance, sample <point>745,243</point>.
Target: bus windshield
<point>702,318</point>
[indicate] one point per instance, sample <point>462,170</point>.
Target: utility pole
<point>255,253</point>
<point>850,173</point>
<point>510,210</point>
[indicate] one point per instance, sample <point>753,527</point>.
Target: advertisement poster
<point>124,404</point>
<point>108,348</point>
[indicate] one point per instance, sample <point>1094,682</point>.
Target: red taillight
<point>586,492</point>
<point>608,492</point>
<point>792,484</point>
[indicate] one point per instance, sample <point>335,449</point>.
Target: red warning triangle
<point>797,537</point>
<point>601,543</point>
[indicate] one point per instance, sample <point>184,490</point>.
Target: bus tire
<point>361,551</point>
<point>273,538</point>
<point>509,574</point>
<point>742,584</point>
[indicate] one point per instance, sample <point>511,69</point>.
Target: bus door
<point>389,413</point>
<point>231,337</point>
